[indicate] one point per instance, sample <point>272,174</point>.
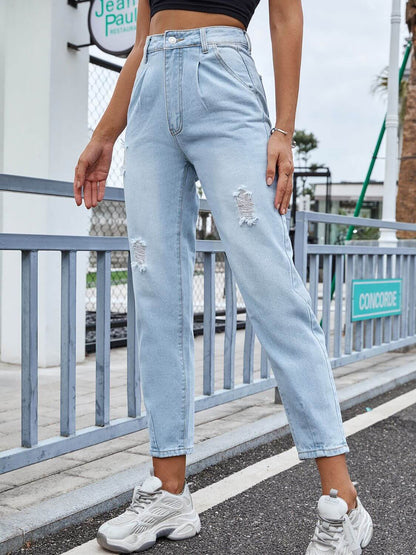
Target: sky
<point>345,45</point>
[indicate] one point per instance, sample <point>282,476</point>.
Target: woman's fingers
<point>284,185</point>
<point>287,194</point>
<point>101,190</point>
<point>94,194</point>
<point>77,192</point>
<point>272,154</point>
<point>80,171</point>
<point>91,173</point>
<point>87,194</point>
<point>279,156</point>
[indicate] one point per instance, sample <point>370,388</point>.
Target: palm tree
<point>380,86</point>
<point>406,194</point>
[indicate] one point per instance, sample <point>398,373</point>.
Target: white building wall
<point>44,104</point>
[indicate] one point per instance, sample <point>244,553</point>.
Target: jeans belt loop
<point>248,40</point>
<point>203,34</point>
<point>145,48</point>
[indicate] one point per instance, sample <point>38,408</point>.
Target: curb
<point>74,507</point>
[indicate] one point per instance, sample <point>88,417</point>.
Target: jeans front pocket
<point>263,97</point>
<point>240,64</point>
<point>230,57</point>
<point>137,86</point>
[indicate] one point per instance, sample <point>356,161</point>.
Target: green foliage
<point>117,277</point>
<point>305,142</point>
<point>360,232</point>
<point>380,86</point>
<point>314,166</point>
<point>366,233</point>
<point>310,191</point>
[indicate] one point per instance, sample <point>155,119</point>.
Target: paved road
<point>277,516</point>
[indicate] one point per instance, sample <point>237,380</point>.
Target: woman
<point>195,108</point>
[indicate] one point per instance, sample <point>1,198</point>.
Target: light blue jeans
<point>198,110</point>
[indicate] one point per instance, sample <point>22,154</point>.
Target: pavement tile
<point>4,484</point>
<point>107,447</point>
<point>33,493</point>
<point>10,441</point>
<point>6,511</point>
<point>38,471</point>
<point>9,417</point>
<point>105,466</point>
<point>142,449</point>
<point>227,424</point>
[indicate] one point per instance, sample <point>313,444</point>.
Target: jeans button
<point>172,40</point>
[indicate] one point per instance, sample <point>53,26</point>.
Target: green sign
<point>374,298</point>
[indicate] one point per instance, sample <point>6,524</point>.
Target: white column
<point>388,236</point>
<point>44,128</point>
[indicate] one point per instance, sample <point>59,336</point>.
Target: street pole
<point>388,236</point>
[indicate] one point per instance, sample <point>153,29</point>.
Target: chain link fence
<point>109,218</point>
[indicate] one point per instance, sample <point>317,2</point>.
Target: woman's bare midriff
<point>187,19</point>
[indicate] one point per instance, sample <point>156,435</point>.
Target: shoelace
<point>327,532</point>
<point>141,499</point>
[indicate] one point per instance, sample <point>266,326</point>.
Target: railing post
<point>301,242</point>
<point>68,342</point>
<point>103,316</point>
<point>230,326</point>
<point>29,385</point>
<point>209,324</point>
<point>133,373</point>
<point>248,360</point>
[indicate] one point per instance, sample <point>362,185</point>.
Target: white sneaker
<point>153,512</point>
<point>338,531</point>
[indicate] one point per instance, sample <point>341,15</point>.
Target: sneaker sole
<point>182,531</point>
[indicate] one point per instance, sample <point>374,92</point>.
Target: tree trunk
<point>406,194</point>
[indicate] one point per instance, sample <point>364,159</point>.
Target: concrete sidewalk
<point>49,495</point>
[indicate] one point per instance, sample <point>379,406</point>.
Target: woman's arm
<point>94,163</point>
<point>286,30</point>
<point>114,119</point>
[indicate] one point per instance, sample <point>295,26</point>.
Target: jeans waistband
<point>199,36</point>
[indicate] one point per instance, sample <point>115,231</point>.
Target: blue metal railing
<point>70,439</point>
<point>346,341</point>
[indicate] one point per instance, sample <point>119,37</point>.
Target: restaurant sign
<point>112,25</point>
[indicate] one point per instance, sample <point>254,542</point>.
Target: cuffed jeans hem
<point>326,452</point>
<point>171,452</point>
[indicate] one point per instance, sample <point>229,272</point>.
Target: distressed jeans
<point>198,111</point>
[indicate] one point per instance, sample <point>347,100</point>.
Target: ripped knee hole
<point>138,248</point>
<point>245,206</point>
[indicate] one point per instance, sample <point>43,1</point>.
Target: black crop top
<point>242,10</point>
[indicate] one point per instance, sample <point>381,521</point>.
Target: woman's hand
<point>91,172</point>
<point>280,159</point>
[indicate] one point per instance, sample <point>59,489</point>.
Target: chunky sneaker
<point>153,512</point>
<point>339,531</point>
